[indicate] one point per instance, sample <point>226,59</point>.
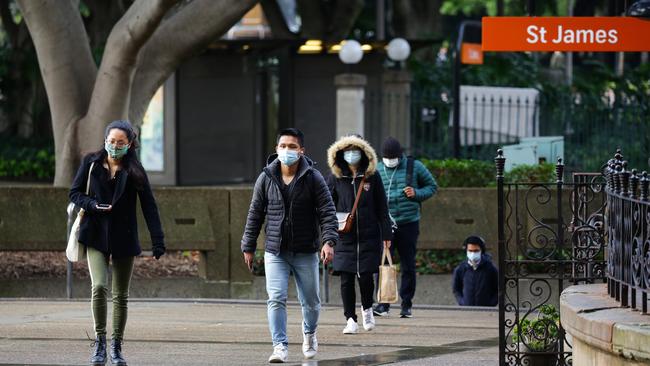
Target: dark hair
<point>475,239</point>
<point>130,162</point>
<point>291,131</point>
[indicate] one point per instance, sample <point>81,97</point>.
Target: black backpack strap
<point>409,171</point>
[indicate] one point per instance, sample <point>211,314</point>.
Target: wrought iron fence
<point>628,228</point>
<point>551,235</point>
<point>488,122</point>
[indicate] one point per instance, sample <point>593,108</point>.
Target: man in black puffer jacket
<point>293,198</point>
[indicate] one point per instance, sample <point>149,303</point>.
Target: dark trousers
<point>405,239</point>
<point>348,292</point>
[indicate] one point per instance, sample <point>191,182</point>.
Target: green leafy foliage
<point>436,261</point>
<point>461,172</point>
<point>537,173</point>
<point>540,333</point>
<point>26,160</point>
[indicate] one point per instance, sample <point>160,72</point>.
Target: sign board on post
<point>471,53</point>
<point>594,34</point>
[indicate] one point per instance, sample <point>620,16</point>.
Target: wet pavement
<point>204,332</point>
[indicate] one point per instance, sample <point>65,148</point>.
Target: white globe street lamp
<point>351,52</point>
<point>398,49</point>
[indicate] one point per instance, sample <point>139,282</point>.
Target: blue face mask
<point>352,157</point>
<point>116,152</point>
<point>474,257</point>
<point>288,157</point>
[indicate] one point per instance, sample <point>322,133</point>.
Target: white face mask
<point>352,157</point>
<point>474,257</point>
<point>390,163</point>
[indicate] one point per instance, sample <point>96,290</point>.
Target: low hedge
<point>25,160</point>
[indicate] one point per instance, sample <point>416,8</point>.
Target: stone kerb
<point>603,333</point>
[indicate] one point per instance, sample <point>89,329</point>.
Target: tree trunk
<point>141,52</point>
<point>328,20</point>
<point>417,19</point>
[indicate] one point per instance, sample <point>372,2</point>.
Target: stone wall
<point>211,220</point>
<point>602,332</point>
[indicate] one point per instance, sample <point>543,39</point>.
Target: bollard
<point>68,288</point>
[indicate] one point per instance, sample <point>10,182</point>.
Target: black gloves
<point>158,250</point>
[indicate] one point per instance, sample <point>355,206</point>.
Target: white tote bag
<point>76,251</point>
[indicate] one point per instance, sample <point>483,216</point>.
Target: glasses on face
<point>118,143</point>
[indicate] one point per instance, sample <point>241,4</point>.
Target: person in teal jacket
<point>408,183</point>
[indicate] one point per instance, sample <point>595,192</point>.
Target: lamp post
<point>396,95</point>
<point>350,92</point>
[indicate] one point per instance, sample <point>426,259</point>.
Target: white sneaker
<point>351,327</point>
<point>280,354</point>
<point>309,345</point>
<point>368,319</point>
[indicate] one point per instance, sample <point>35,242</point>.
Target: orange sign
<point>471,53</point>
<point>598,34</point>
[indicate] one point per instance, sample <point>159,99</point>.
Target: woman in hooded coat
<point>358,254</point>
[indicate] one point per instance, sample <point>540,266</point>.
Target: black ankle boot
<point>99,355</point>
<point>116,352</point>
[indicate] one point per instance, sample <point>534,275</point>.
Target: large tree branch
<point>345,15</point>
<point>313,18</point>
<point>192,29</point>
<point>276,20</point>
<point>111,95</point>
<point>64,57</point>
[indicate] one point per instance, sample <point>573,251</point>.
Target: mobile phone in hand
<point>104,206</point>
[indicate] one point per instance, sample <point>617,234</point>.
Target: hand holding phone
<point>103,206</point>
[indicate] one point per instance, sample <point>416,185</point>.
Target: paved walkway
<point>186,332</point>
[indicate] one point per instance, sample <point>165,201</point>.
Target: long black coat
<point>311,210</point>
<point>360,249</point>
<point>114,232</point>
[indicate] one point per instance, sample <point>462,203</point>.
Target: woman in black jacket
<point>358,253</point>
<point>109,228</point>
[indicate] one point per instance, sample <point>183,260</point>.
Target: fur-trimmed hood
<point>339,166</point>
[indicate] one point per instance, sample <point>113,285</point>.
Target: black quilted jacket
<point>311,211</point>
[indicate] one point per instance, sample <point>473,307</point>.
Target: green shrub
<point>461,172</point>
<point>435,261</point>
<point>537,173</point>
<point>24,160</point>
<point>540,333</point>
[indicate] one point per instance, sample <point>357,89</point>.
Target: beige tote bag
<point>387,292</point>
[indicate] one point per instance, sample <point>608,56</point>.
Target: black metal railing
<point>488,122</point>
<point>628,231</point>
<point>551,236</point>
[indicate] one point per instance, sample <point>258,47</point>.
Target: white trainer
<point>351,327</point>
<point>280,354</point>
<point>368,319</point>
<point>309,345</point>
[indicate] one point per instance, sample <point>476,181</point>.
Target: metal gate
<point>551,235</point>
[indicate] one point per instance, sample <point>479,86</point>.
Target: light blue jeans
<point>305,271</point>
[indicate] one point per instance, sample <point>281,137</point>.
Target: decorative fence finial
<point>617,178</point>
<point>609,174</point>
<point>644,186</point>
<point>559,170</point>
<point>500,162</point>
<point>634,184</point>
<point>625,179</point>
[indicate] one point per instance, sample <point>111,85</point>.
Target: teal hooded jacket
<point>402,209</point>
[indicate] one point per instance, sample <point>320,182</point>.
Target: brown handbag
<point>346,219</point>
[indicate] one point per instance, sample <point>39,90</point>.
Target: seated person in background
<point>476,281</point>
